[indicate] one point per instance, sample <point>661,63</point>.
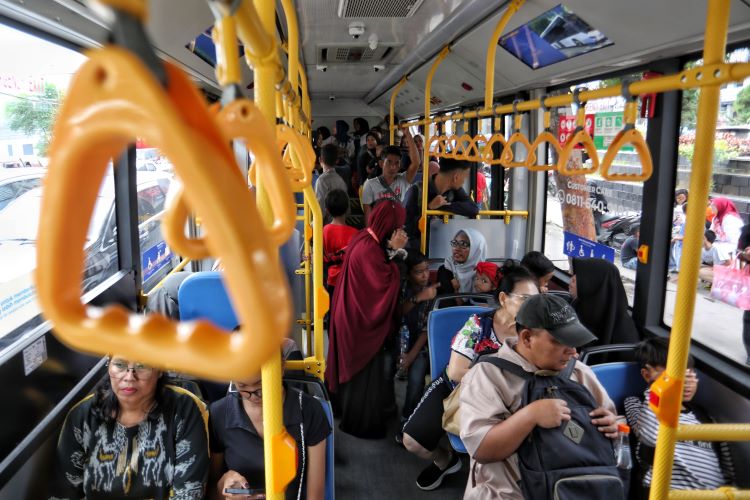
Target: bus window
<point>36,74</point>
<point>588,216</point>
<point>157,258</point>
<point>730,182</point>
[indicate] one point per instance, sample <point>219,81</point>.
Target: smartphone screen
<point>255,494</point>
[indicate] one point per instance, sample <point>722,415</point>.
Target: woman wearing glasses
<point>456,275</point>
<point>481,334</point>
<point>236,430</point>
<point>135,437</point>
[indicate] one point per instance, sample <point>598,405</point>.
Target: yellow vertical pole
<point>320,295</point>
<point>306,107</point>
<point>392,125</point>
<point>293,48</point>
<point>714,47</point>
<point>308,274</point>
<point>489,75</point>
<point>273,424</point>
<point>426,161</point>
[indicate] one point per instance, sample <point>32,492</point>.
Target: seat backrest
<point>203,296</point>
<point>442,325</point>
<point>621,380</point>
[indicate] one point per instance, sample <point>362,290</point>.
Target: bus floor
<point>376,469</point>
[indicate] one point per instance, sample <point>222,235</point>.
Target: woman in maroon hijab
<point>364,316</point>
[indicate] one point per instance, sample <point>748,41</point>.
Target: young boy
<point>416,298</point>
<point>710,257</point>
<point>696,463</point>
<point>336,235</point>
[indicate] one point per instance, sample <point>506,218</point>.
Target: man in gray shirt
<point>392,184</point>
<point>329,179</point>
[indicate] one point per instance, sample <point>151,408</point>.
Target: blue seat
<point>203,296</point>
<point>621,380</point>
<point>442,325</point>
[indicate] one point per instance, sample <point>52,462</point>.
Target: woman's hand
<point>456,285</point>
<point>428,293</point>
<point>398,240</point>
<point>232,479</point>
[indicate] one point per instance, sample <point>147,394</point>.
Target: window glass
<point>730,192</point>
<point>588,216</point>
<point>153,185</point>
<point>34,78</point>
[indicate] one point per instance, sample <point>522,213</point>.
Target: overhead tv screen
<point>554,36</point>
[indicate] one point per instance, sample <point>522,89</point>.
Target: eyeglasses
<point>522,296</point>
<point>460,244</point>
<point>237,392</point>
<point>119,369</point>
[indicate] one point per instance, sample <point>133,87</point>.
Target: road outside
<point>715,324</point>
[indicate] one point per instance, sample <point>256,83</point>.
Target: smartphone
<point>256,494</point>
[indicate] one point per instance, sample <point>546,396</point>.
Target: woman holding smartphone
<point>236,438</point>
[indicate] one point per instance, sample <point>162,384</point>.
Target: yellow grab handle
<point>451,144</point>
<point>298,154</point>
<point>549,138</point>
<point>112,99</point>
<point>507,159</point>
<point>434,139</point>
<point>242,119</point>
<point>487,155</point>
<point>442,146</point>
<point>463,144</point>
<point>628,136</point>
<point>580,137</point>
<point>472,150</point>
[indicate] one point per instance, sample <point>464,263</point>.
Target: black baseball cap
<point>554,314</point>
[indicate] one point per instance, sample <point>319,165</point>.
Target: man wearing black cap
<point>493,423</point>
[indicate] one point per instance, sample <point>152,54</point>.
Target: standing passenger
<point>363,322</point>
<point>392,185</point>
<point>336,236</point>
<point>329,180</point>
<point>367,154</point>
<point>600,301</point>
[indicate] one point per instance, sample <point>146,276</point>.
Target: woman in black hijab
<point>600,301</point>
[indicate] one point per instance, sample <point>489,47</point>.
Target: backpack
<point>573,461</point>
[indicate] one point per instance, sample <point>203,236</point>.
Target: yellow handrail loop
<point>463,146</point>
<point>581,136</point>
<point>628,135</point>
<point>298,156</point>
<point>506,158</point>
<point>472,152</point>
<point>112,99</point>
<point>548,137</point>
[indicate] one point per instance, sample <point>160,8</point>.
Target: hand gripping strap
<point>112,99</point>
<point>549,138</point>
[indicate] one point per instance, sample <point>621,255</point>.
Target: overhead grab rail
<point>577,166</point>
<point>123,91</point>
<point>548,137</point>
<point>628,135</point>
<point>507,159</point>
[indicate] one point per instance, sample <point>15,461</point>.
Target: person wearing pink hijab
<point>727,224</point>
<point>364,317</point>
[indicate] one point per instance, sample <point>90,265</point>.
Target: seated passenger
<point>710,257</point>
<point>696,463</point>
<point>600,301</point>
<point>444,192</point>
<point>391,185</point>
<point>482,334</point>
<point>163,300</point>
<point>415,306</point>
<point>456,275</point>
<point>629,250</point>
<point>236,430</point>
<point>540,266</point>
<point>135,437</point>
<point>494,425</point>
<point>486,277</point>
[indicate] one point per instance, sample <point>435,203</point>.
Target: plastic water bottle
<point>622,448</point>
<point>403,336</point>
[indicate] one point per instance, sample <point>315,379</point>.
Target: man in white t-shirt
<point>392,184</point>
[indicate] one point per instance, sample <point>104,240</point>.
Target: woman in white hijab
<point>456,275</point>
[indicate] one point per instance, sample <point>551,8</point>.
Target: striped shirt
<point>696,464</point>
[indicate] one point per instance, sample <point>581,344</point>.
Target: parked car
<point>14,183</point>
<point>20,219</point>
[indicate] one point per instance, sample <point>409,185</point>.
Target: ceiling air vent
<point>382,8</point>
<point>348,54</point>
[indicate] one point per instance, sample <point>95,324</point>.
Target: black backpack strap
<point>504,364</point>
<point>385,185</point>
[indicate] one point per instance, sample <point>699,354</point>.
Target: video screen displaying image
<point>554,36</point>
